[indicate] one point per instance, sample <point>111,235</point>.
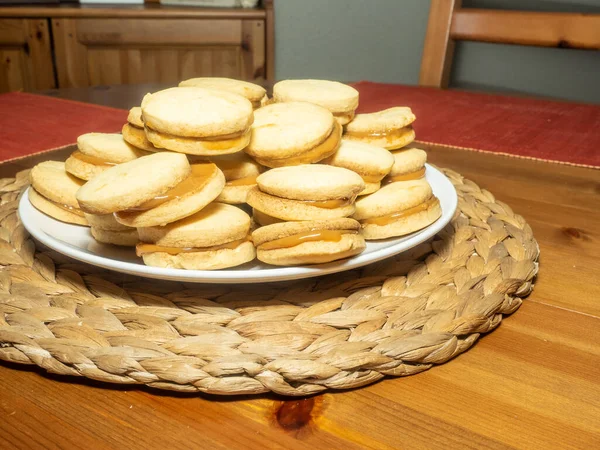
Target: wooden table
<point>532,383</point>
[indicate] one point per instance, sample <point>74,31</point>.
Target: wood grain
<point>94,52</point>
<point>98,45</point>
<point>40,53</point>
<point>25,55</point>
<point>12,32</point>
<point>438,49</point>
<point>270,38</point>
<point>12,74</point>
<point>532,383</point>
<point>70,54</point>
<point>253,50</point>
<point>130,11</point>
<point>148,32</point>
<point>546,29</point>
<point>561,205</point>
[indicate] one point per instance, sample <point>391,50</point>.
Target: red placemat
<point>563,132</point>
<point>32,123</point>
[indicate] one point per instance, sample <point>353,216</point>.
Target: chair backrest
<point>448,22</point>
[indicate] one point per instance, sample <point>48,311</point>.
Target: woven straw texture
<point>395,318</point>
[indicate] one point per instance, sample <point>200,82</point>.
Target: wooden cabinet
<point>91,52</point>
<point>121,45</point>
<point>25,55</point>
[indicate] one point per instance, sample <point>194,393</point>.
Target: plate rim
<point>225,276</point>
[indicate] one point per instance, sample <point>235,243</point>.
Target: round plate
<point>77,242</point>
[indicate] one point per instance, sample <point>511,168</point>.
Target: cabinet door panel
<point>25,55</point>
<point>104,66</point>
<point>71,56</point>
<point>12,75</point>
<point>93,52</point>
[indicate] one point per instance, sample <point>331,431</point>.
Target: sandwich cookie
<point>306,192</point>
<point>340,99</point>
<point>177,190</point>
<point>311,242</point>
<point>288,134</point>
<point>133,131</point>
<point>106,229</point>
<point>257,95</point>
<point>409,164</point>
<point>197,121</point>
<point>372,163</point>
<point>97,152</point>
<point>397,209</point>
<point>214,238</point>
<point>53,192</point>
<point>240,174</point>
<point>390,128</point>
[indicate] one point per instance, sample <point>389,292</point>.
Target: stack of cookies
<point>303,214</point>
<point>213,174</point>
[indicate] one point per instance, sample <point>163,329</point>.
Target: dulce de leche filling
<point>92,159</point>
<point>222,137</point>
<point>68,208</point>
<point>246,181</point>
<point>416,175</point>
<point>319,152</point>
<point>143,248</point>
<point>385,220</point>
<point>329,204</point>
<point>64,207</point>
<point>390,134</point>
<point>199,176</point>
<point>222,143</point>
<point>370,178</point>
<point>309,236</point>
<point>326,204</point>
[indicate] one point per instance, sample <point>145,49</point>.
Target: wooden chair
<point>448,22</point>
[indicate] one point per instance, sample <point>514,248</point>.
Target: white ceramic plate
<point>77,242</point>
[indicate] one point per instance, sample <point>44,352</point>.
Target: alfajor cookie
<point>257,95</point>
<point>177,190</point>
<point>214,238</point>
<point>390,128</point>
<point>240,174</point>
<point>197,121</point>
<point>53,192</point>
<point>106,229</point>
<point>133,131</point>
<point>287,134</point>
<point>409,164</point>
<point>306,192</point>
<point>372,163</point>
<point>97,152</point>
<point>397,209</point>
<point>340,99</point>
<point>310,242</point>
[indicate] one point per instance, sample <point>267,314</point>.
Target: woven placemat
<point>397,317</point>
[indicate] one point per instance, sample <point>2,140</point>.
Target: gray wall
<point>382,40</point>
